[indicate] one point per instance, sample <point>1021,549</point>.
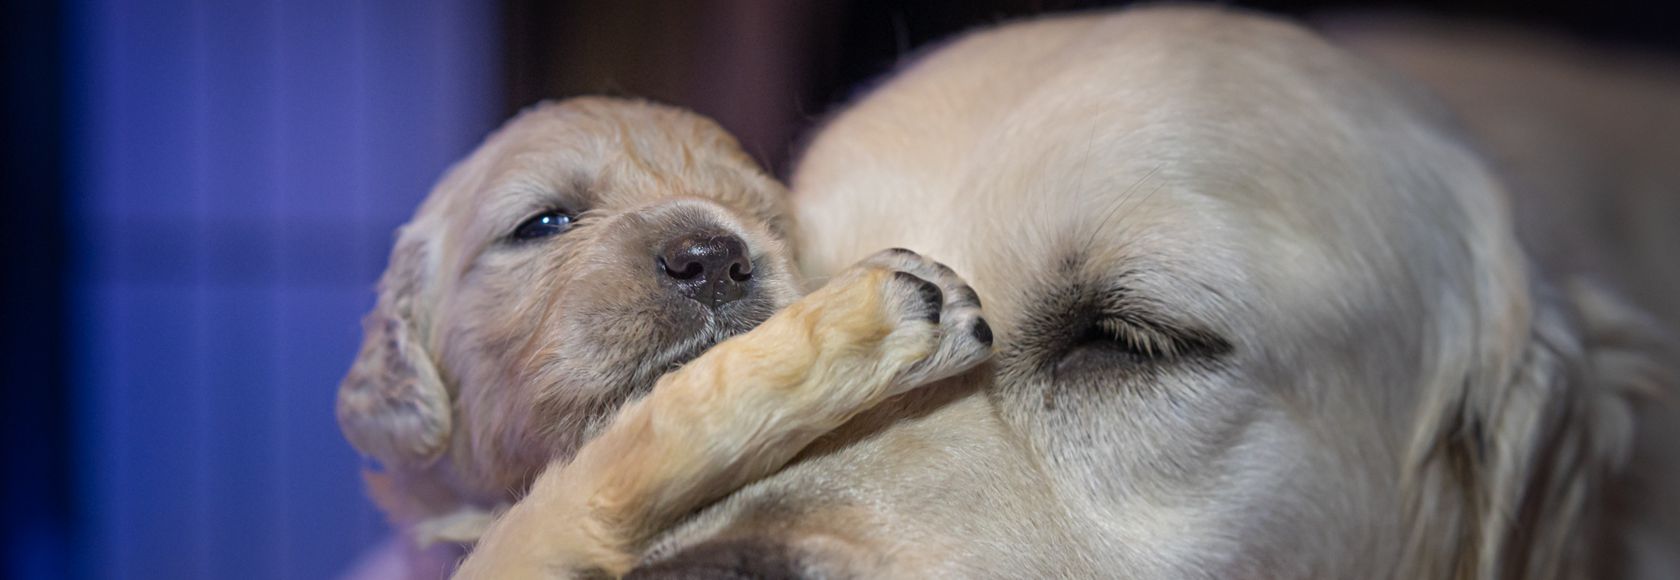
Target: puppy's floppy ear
<point>1508,470</point>
<point>392,405</point>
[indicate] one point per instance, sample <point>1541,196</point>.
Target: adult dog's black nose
<point>710,268</point>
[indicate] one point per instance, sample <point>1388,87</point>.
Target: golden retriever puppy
<point>585,250</point>
<point>1261,311</point>
<point>582,251</point>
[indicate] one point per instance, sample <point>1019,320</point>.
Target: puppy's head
<point>583,250</point>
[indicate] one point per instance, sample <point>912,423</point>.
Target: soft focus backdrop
<point>199,194</point>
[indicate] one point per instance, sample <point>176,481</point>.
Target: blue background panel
<point>238,170</point>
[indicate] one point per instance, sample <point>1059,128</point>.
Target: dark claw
<point>982,331</point>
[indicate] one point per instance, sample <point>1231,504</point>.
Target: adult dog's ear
<point>1506,475</point>
<point>392,405</point>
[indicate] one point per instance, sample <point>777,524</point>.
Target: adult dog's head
<point>1260,313</point>
<point>582,251</point>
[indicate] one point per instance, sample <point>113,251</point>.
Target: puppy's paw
<point>929,295</point>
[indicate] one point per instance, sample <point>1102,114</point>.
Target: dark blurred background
<point>198,196</point>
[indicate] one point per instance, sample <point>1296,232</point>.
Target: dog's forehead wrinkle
<point>1122,202</point>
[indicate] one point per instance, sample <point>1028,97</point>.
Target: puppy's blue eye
<point>543,225</point>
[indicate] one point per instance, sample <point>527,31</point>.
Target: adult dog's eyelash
<point>1151,339</point>
<point>1150,344</point>
<point>1121,316</point>
<point>1114,319</point>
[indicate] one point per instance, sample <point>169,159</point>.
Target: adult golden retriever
<point>1261,311</point>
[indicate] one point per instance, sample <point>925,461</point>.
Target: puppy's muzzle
<point>711,268</point>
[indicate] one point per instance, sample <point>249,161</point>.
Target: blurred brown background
<point>768,69</point>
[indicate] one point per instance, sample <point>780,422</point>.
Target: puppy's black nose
<point>710,268</point>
